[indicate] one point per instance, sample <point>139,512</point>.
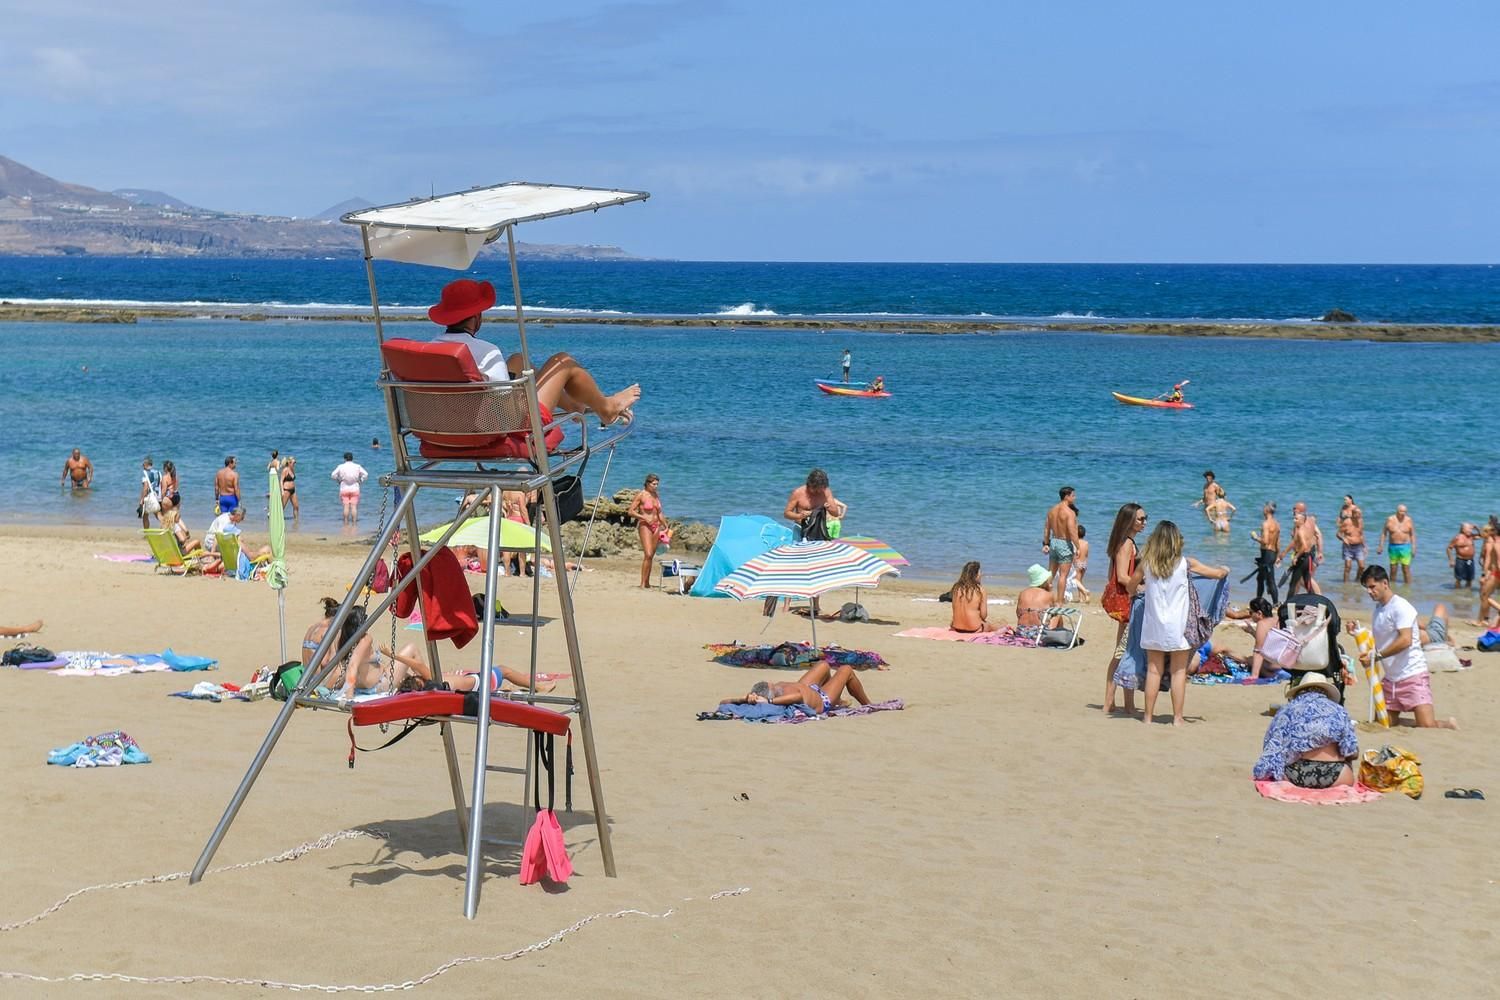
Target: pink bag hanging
<point>1282,648</point>
<point>545,853</point>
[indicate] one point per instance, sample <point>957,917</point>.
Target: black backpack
<point>27,653</point>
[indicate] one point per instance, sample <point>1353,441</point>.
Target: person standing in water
<point>1352,537</point>
<point>78,468</point>
<point>349,474</point>
<point>1269,539</point>
<point>227,486</point>
<point>1401,530</point>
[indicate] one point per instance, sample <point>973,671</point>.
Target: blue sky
<point>1069,131</point>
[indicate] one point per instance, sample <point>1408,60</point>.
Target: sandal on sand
<point>1464,793</point>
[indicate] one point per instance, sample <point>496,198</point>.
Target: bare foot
<point>35,626</point>
<point>1452,723</point>
<point>1179,721</point>
<point>617,407</point>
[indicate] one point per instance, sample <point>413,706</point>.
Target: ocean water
<point>1385,293</point>
<point>960,463</point>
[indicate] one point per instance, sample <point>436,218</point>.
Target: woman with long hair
<point>169,484</point>
<point>1119,588</point>
<point>1163,570</point>
<point>650,524</point>
<point>289,486</point>
<point>971,606</point>
<point>361,671</point>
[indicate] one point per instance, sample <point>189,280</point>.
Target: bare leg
<point>14,630</point>
<point>649,542</point>
<point>1059,581</point>
<point>1109,673</point>
<point>1154,660</point>
<point>563,383</point>
<point>1427,719</point>
<point>1179,665</point>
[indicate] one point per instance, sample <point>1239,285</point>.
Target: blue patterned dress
<point>1308,721</point>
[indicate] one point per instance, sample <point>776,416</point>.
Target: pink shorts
<point>348,492</point>
<point>1405,696</point>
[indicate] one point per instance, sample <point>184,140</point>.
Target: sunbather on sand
<point>971,609</point>
<point>11,631</point>
<point>362,671</point>
<point>820,690</point>
<point>561,382</point>
<point>409,663</point>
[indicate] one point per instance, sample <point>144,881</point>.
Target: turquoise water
<point>960,463</point>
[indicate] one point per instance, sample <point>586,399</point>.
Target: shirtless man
<point>1060,539</point>
<point>811,497</point>
<point>1352,536</point>
<point>1269,537</point>
<point>1303,546</point>
<point>1401,532</point>
<point>1461,557</point>
<point>78,467</point>
<point>227,486</point>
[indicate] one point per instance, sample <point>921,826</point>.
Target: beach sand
<point>998,837</point>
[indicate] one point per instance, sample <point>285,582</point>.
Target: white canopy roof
<point>449,230</point>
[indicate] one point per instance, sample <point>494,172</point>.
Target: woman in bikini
<point>649,524</point>
<point>409,664</point>
<point>289,486</point>
<point>971,607</point>
<point>169,487</point>
<point>820,690</point>
<point>1130,520</point>
<point>360,672</point>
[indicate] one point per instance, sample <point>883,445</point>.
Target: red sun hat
<point>460,300</point>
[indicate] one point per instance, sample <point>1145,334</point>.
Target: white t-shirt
<point>223,524</point>
<point>488,358</point>
<point>350,474</point>
<point>1391,619</point>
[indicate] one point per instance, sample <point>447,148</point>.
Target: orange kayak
<point>1160,404</point>
<point>852,389</point>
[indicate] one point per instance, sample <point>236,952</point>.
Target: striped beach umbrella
<point>805,569</point>
<point>876,548</point>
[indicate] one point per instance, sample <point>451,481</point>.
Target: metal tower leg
<point>475,863</point>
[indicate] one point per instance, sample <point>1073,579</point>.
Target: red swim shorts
<point>1405,696</point>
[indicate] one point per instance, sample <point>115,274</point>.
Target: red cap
<point>460,300</point>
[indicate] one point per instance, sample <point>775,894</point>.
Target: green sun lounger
<point>237,565</point>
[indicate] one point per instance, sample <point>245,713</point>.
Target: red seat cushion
<point>422,704</point>
<point>439,361</point>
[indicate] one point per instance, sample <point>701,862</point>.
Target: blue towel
<point>760,712</point>
<point>177,661</point>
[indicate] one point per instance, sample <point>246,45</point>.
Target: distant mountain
<point>335,212</point>
<point>40,215</point>
<point>141,196</point>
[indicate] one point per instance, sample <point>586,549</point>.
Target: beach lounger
<point>166,551</point>
<point>237,565</point>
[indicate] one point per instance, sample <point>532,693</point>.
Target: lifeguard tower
<point>453,431</point>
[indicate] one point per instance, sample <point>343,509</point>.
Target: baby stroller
<point>1319,653</point>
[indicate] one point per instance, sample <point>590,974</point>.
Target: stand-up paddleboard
<point>860,389</point>
<point>1160,404</point>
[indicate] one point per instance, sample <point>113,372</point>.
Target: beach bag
<point>815,526</point>
<point>380,580</point>
<point>1310,627</point>
<point>27,653</point>
<point>834,527</point>
<point>1441,658</point>
<point>1489,642</point>
<point>1392,769</point>
<point>569,493</point>
<point>852,612</point>
<point>1116,602</point>
<point>284,681</point>
<point>1281,647</point>
<point>545,853</point>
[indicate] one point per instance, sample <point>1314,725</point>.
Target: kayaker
<point>878,384</point>
<point>1175,396</point>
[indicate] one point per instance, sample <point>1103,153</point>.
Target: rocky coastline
<point>1333,330</point>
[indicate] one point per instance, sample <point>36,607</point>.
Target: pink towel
<point>1285,791</point>
<point>123,557</point>
<point>1005,636</point>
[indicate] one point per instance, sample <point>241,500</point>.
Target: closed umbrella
<point>805,569</point>
<point>514,536</point>
<point>276,571</point>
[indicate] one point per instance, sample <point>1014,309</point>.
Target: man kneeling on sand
<point>1398,646</point>
<point>561,382</point>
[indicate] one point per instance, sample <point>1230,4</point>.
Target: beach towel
<point>1208,599</point>
<point>1223,669</point>
<point>123,557</point>
<point>181,662</point>
<point>447,605</point>
<point>109,749</point>
<point>52,664</point>
<point>794,714</point>
<point>93,663</point>
<point>1338,795</point>
<point>209,691</point>
<point>793,655</point>
<point>1006,635</point>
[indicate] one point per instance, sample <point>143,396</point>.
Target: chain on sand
<point>322,843</point>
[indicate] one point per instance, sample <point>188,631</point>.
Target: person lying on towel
<point>820,690</point>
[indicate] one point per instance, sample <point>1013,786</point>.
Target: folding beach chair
<point>166,551</point>
<point>237,565</point>
<point>1072,622</point>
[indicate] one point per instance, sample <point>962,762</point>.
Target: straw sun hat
<point>1313,679</point>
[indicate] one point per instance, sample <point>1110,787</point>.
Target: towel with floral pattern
<point>109,749</point>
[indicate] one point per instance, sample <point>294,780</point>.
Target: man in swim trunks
<point>1060,539</point>
<point>1269,538</point>
<point>349,474</point>
<point>820,690</point>
<point>227,487</point>
<point>78,468</point>
<point>1401,531</point>
<point>1352,537</point>
<point>1461,557</point>
<point>1303,545</point>
<point>1398,647</point>
<point>561,383</point>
